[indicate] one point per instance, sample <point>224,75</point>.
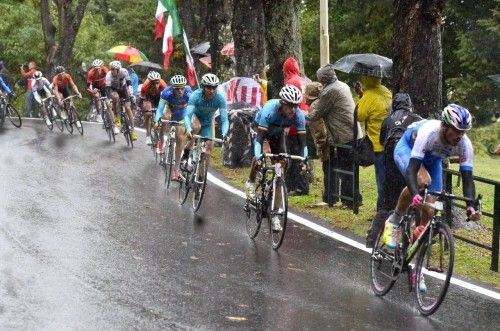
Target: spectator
<point>392,130</point>
<point>29,100</point>
<point>264,83</point>
<point>296,183</point>
<point>372,109</point>
<point>135,82</point>
<point>318,132</point>
<point>336,108</point>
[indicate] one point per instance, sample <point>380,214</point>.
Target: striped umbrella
<point>126,53</point>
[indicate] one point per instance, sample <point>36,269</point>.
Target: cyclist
<point>175,97</point>
<point>203,104</point>
<point>61,83</point>
<point>4,88</point>
<point>275,116</point>
<point>117,83</point>
<point>150,95</point>
<point>419,155</point>
<point>41,89</point>
<point>96,86</point>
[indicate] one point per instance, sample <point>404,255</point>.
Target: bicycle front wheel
<point>253,214</point>
<point>381,267</point>
<point>435,260</point>
<point>169,161</point>
<point>126,131</point>
<point>199,182</point>
<point>280,214</point>
<point>57,117</point>
<point>14,116</point>
<point>76,120</point>
<point>184,186</point>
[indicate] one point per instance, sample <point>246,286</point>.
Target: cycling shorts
<point>208,131</point>
<point>122,93</point>
<point>434,166</point>
<point>64,91</point>
<point>154,99</point>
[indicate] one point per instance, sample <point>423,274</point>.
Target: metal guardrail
<point>494,248</point>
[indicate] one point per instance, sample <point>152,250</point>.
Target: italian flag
<point>169,27</point>
<point>191,73</point>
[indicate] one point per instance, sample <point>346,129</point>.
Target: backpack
<point>395,125</point>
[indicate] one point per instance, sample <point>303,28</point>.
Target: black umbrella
<point>146,65</point>
<point>495,79</point>
<point>365,64</point>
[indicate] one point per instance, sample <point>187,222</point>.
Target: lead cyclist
<point>419,155</point>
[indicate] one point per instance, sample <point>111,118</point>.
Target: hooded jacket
<point>373,108</point>
<point>401,116</point>
<point>291,72</point>
<point>335,107</point>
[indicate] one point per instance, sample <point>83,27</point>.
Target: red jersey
<point>96,77</point>
<point>148,89</point>
<point>62,82</point>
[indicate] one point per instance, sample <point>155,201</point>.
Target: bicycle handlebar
<point>448,196</point>
<point>70,97</point>
<point>171,122</point>
<point>217,140</point>
<point>283,156</point>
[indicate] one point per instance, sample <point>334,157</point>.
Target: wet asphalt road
<point>91,239</point>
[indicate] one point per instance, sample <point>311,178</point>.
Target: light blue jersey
<point>4,86</point>
<point>205,110</point>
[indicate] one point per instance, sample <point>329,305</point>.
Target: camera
<point>24,66</point>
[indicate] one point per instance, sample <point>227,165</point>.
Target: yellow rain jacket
<point>373,107</point>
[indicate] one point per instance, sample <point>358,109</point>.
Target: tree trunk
<point>282,25</point>
<point>219,29</point>
<point>188,18</point>
<point>59,41</point>
<point>248,32</point>
<point>417,68</point>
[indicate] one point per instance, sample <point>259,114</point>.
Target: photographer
<point>27,72</point>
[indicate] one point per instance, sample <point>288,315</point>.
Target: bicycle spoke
<point>199,182</point>
<point>279,214</point>
<point>434,269</point>
<point>381,267</point>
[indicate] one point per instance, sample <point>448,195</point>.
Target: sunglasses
<point>210,87</point>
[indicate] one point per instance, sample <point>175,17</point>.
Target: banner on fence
<point>242,90</point>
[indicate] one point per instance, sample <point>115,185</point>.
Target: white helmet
<point>115,65</point>
<point>37,75</point>
<point>97,63</point>
<point>209,80</point>
<point>290,94</point>
<point>178,81</point>
<point>153,75</point>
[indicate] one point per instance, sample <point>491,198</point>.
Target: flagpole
<point>188,53</point>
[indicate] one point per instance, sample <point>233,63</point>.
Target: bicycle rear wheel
<point>169,161</point>
<point>435,259</point>
<point>184,186</point>
<point>76,119</point>
<point>381,267</point>
<point>199,182</point>
<point>13,115</point>
<point>281,213</point>
<point>253,213</point>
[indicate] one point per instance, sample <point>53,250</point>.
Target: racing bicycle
<point>8,111</point>
<point>266,204</point>
<point>70,116</point>
<point>126,128</point>
<point>53,112</point>
<point>168,156</point>
<point>434,250</point>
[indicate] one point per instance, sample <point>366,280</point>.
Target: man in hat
<point>336,108</point>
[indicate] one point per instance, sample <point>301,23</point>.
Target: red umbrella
<point>228,50</point>
<point>126,53</point>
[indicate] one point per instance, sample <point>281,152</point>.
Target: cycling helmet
<point>59,69</point>
<point>209,80</point>
<point>290,94</point>
<point>37,75</point>
<point>97,63</point>
<point>115,65</point>
<point>178,81</point>
<point>457,116</point>
<point>153,75</point>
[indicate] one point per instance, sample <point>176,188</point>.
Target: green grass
<point>470,261</point>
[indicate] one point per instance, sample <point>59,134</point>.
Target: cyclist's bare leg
<point>146,107</point>
<point>166,116</point>
<point>256,164</point>
<point>179,142</point>
<point>196,127</point>
<point>423,178</point>
<point>128,110</point>
<point>115,100</point>
<point>277,195</point>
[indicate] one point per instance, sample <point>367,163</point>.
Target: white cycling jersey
<point>428,145</point>
<point>118,81</point>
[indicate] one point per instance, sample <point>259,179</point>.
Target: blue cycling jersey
<point>4,86</point>
<point>177,105</point>
<point>272,123</point>
<point>205,110</point>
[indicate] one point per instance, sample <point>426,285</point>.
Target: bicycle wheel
<point>126,131</point>
<point>76,119</point>
<point>253,213</point>
<point>381,267</point>
<point>169,161</point>
<point>13,115</point>
<point>435,259</point>
<point>184,186</point>
<point>281,213</point>
<point>106,123</point>
<point>2,114</point>
<point>49,116</point>
<point>199,182</point>
<point>154,142</point>
<point>56,118</point>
